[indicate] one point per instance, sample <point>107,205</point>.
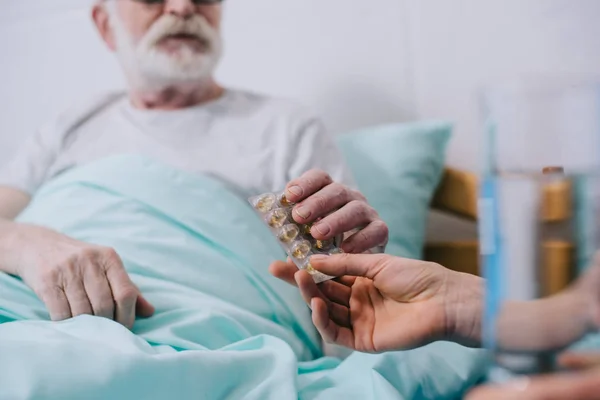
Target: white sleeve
<point>314,147</point>
<point>28,167</point>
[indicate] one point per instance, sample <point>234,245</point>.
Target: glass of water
<point>538,221</point>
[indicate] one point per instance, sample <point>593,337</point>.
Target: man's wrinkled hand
<point>336,210</point>
<point>74,278</point>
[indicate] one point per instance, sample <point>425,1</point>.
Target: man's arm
<point>20,177</point>
<point>12,202</point>
<point>47,261</point>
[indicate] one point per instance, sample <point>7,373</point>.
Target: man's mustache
<point>169,26</point>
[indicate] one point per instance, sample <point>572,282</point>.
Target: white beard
<point>149,68</point>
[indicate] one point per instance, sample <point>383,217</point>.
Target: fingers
<point>284,271</point>
<point>125,294</point>
<point>337,290</point>
<point>328,329</point>
<point>345,280</point>
<point>309,290</point>
<point>319,197</point>
<point>329,302</point>
<point>321,203</point>
<point>355,214</point>
<point>579,386</point>
<point>56,301</point>
<point>579,361</point>
<point>89,280</point>
<point>306,185</point>
<point>364,265</point>
<point>98,291</point>
<point>77,297</point>
<point>143,307</point>
<point>373,235</point>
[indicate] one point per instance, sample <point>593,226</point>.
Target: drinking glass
<point>538,211</point>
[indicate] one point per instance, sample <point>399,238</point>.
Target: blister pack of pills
<point>296,240</point>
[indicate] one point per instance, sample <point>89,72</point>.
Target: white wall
<point>358,62</point>
<point>347,58</point>
<point>50,57</point>
<point>458,45</point>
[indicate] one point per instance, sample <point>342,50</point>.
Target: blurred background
<point>355,62</point>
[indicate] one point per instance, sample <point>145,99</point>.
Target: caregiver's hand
<point>74,278</point>
<point>343,210</point>
<point>583,384</point>
<point>383,303</point>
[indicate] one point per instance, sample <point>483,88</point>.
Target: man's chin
<point>171,71</point>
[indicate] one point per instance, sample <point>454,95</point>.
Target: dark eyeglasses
<point>196,2</point>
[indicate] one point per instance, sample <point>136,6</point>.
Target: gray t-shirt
<point>254,142</point>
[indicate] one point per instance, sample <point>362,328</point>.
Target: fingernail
<point>303,212</point>
<point>322,228</point>
<point>347,248</point>
<point>295,190</point>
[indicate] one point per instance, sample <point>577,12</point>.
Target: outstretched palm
<point>398,304</point>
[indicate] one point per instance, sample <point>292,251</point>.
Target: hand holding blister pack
<point>295,238</point>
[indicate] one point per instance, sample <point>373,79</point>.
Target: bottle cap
<point>553,170</point>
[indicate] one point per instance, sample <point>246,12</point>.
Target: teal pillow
<point>398,167</point>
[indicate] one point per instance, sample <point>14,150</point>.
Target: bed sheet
<point>223,329</point>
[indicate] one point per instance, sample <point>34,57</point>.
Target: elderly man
<point>175,112</point>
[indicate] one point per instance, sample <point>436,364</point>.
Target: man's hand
<point>582,384</point>
<point>383,303</point>
<point>74,278</point>
<point>342,210</point>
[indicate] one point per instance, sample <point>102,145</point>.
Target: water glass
<point>538,209</point>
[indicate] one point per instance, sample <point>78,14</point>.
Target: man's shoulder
<point>81,109</point>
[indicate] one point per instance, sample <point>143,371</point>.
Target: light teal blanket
<point>223,328</point>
